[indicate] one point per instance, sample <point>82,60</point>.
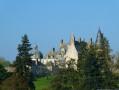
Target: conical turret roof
<point>99,37</point>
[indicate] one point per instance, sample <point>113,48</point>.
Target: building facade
<point>66,52</point>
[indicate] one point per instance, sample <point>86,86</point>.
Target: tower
<point>99,38</point>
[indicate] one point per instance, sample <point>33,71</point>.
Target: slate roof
<point>99,37</point>
<point>77,45</point>
<point>53,54</point>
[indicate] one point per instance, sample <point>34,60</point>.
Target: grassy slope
<point>41,83</point>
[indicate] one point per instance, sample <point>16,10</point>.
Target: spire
<point>99,31</point>
<point>72,35</point>
<point>99,37</point>
<point>72,38</point>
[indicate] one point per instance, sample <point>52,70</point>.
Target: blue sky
<point>47,21</point>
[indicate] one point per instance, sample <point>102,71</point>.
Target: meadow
<point>41,83</point>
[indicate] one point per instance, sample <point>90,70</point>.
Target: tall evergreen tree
<point>92,79</point>
<point>81,59</point>
<point>23,61</point>
<point>22,75</point>
<point>96,71</point>
<point>104,57</point>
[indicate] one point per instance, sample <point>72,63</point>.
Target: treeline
<point>93,70</point>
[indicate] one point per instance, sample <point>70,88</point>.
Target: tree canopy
<point>3,73</point>
<point>93,70</point>
<point>4,62</point>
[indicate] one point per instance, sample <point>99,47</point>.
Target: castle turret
<point>99,38</point>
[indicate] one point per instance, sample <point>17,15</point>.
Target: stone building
<point>66,52</point>
<point>74,46</point>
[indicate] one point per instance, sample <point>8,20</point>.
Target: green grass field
<point>41,83</point>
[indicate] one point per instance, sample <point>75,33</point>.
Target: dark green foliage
<point>66,78</point>
<point>92,77</point>
<point>81,59</point>
<point>22,66</point>
<point>104,57</point>
<point>3,74</point>
<point>15,83</point>
<point>23,60</point>
<point>4,62</point>
<point>93,70</point>
<point>96,69</point>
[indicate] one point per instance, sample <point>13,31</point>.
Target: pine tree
<point>95,69</point>
<point>81,59</point>
<point>22,78</point>
<point>92,79</point>
<point>23,61</point>
<point>103,55</point>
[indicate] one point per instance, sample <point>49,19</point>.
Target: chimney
<point>73,40</point>
<point>61,42</point>
<point>90,40</point>
<point>79,39</point>
<point>83,40</point>
<point>53,49</point>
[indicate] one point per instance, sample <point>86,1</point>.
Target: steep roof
<point>99,37</point>
<point>64,45</point>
